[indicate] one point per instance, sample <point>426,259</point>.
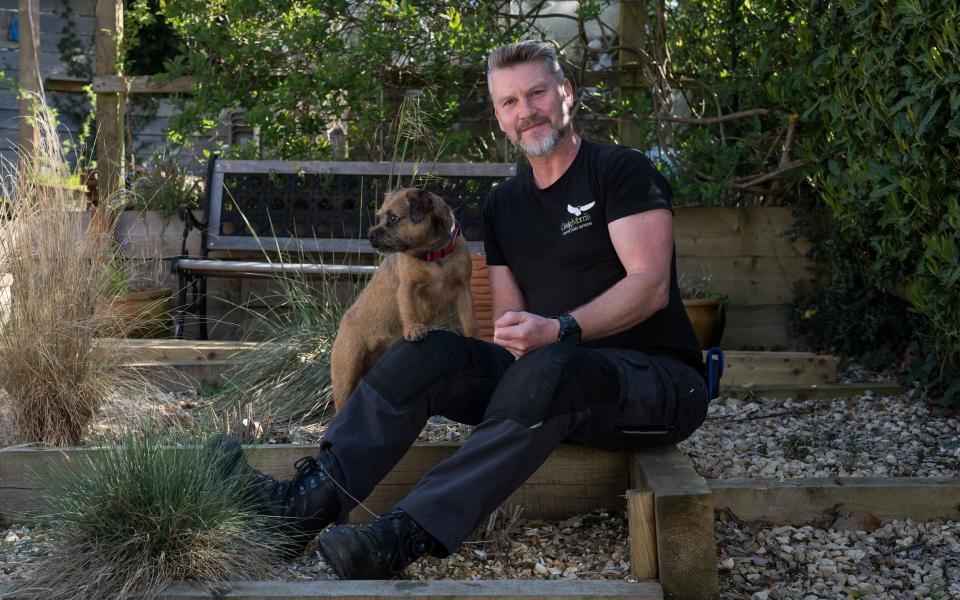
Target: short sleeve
<point>632,185</point>
<point>491,245</point>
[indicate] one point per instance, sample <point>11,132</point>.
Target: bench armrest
<point>189,222</point>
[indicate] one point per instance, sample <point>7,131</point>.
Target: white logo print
<point>577,210</point>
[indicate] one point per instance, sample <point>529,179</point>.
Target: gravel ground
<point>899,560</point>
<point>863,436</point>
<point>860,436</point>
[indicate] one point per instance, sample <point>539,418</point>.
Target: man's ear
<point>421,204</point>
<point>568,90</point>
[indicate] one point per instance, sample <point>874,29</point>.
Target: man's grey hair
<point>520,53</point>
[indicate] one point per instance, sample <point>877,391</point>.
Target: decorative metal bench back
<point>310,205</point>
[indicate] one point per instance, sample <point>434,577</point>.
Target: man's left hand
<point>522,332</point>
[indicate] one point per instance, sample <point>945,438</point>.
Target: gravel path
<point>899,560</point>
<point>863,436</point>
<point>854,437</point>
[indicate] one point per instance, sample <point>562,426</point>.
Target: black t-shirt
<point>558,247</point>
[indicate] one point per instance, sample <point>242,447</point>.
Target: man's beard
<point>544,145</point>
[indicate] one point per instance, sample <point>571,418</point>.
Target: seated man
<point>591,345</point>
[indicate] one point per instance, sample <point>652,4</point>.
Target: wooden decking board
<point>743,368</point>
<point>427,590</point>
<point>820,501</point>
<point>683,512</point>
<point>574,480</point>
<point>830,391</point>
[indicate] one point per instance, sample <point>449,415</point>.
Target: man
<point>591,345</point>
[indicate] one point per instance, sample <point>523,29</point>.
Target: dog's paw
<point>415,332</point>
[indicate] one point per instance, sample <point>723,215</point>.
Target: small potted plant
<point>164,183</point>
<point>705,308</point>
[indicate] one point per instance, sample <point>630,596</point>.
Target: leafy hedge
<point>865,92</point>
<point>297,67</point>
<point>887,164</point>
<point>874,89</point>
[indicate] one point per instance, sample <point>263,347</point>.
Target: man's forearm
<point>630,301</point>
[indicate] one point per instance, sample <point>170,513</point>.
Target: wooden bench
<point>260,213</point>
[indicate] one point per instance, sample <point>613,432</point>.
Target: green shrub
<point>128,519</point>
<point>886,160</point>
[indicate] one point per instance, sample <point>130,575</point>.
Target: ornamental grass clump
<point>54,259</point>
<point>288,379</point>
<point>132,517</point>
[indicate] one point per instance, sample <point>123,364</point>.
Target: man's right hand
<point>521,332</point>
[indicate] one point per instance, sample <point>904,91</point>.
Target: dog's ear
<point>421,204</point>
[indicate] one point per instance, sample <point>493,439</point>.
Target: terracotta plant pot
<point>143,314</point>
<point>708,319</point>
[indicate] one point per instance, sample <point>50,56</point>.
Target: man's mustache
<point>524,125</point>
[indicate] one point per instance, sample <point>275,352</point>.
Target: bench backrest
<point>317,206</point>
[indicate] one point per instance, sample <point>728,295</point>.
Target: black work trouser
<point>606,398</point>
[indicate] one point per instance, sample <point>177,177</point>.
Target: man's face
<point>532,108</point>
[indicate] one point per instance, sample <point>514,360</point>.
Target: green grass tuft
<point>134,516</point>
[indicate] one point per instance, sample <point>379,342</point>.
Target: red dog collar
<point>432,255</point>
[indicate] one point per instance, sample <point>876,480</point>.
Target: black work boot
<point>380,549</point>
<point>308,502</point>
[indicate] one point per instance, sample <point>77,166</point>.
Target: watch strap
<point>569,329</point>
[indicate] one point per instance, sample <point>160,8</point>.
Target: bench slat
<point>246,267</point>
<point>405,169</point>
<point>306,245</point>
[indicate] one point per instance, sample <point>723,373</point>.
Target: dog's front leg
<point>466,313</point>
<point>414,329</point>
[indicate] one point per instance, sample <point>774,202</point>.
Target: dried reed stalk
<point>56,263</point>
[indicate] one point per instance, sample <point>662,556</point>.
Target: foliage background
<point>847,110</point>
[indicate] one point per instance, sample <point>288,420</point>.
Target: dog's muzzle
<point>383,241</point>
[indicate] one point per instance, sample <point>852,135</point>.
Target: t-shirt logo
<point>581,218</point>
<point>576,210</point>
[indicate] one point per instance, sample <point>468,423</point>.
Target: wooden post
<point>643,534</point>
<point>683,509</point>
<point>632,18</point>
<point>29,24</point>
<point>108,31</point>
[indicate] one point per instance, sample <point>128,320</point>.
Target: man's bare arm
<point>644,244</point>
<point>504,291</point>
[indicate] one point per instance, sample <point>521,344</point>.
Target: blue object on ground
<point>714,371</point>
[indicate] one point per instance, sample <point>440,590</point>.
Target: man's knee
<point>554,380</point>
<point>407,370</point>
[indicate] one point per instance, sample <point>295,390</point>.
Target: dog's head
<point>411,220</point>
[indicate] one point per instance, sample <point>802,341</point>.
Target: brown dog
<point>425,272</point>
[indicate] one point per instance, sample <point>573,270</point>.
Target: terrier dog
<point>425,272</point>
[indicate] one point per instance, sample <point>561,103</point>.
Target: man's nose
<point>526,109</point>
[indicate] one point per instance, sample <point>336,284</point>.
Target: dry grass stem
<point>54,257</point>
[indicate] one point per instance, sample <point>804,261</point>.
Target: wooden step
<point>574,480</point>
<point>681,519</point>
<point>743,368</point>
<point>827,391</point>
<point>765,368</point>
<point>152,350</point>
<point>821,500</point>
<point>424,590</point>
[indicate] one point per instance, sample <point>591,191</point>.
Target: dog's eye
<point>392,219</point>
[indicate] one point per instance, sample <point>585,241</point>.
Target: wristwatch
<point>569,329</point>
